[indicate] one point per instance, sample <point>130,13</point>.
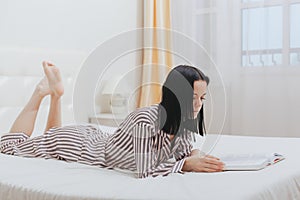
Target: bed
<point>39,179</point>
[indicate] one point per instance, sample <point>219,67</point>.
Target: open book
<point>250,161</point>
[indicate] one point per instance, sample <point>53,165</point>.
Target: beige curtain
<point>157,59</point>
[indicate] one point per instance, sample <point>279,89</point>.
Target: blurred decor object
<point>117,90</point>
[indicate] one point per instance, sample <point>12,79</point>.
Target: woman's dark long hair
<point>176,110</point>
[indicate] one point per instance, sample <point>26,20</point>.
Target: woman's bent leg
<point>63,143</point>
<point>51,84</point>
<point>54,116</point>
<point>77,143</point>
<point>57,90</point>
<point>26,119</point>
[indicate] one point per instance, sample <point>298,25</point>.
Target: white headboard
<point>21,69</point>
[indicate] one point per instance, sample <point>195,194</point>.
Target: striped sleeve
<point>185,147</point>
<point>169,166</point>
<point>145,154</point>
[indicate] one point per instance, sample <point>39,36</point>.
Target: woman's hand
<point>199,162</point>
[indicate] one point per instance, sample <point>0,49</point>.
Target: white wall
<point>64,32</point>
<point>69,24</point>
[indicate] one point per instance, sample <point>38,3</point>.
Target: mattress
<point>39,179</point>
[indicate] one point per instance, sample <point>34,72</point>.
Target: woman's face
<point>199,95</point>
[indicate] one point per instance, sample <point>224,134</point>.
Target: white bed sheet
<point>39,179</point>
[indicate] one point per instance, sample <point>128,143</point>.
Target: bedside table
<point>107,119</point>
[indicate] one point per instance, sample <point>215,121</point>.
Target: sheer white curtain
<point>255,46</point>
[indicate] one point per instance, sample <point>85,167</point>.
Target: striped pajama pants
<point>79,143</point>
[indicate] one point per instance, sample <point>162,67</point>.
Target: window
<point>295,34</point>
<point>270,33</point>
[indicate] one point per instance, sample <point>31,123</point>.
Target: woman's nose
<point>198,103</point>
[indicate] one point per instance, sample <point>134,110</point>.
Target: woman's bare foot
<point>54,79</point>
<point>42,88</point>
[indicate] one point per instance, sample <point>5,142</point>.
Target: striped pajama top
<point>136,145</point>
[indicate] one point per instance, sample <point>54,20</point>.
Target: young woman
<point>151,141</point>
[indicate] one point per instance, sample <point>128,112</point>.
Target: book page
<point>249,161</point>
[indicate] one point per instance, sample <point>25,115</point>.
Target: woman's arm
<point>145,154</point>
